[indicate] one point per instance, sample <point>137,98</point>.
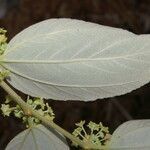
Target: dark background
<point>133,15</point>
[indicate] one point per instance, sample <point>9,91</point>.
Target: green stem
<point>29,111</point>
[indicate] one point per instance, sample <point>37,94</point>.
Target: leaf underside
<point>132,135</point>
<point>66,59</point>
<point>37,138</point>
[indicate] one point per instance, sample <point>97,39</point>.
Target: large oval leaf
<point>71,59</point>
<point>37,138</point>
<point>132,135</point>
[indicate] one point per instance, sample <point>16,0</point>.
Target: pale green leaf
<point>38,138</point>
<point>132,135</point>
<point>68,59</point>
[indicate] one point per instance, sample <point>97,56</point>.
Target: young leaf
<point>70,59</point>
<point>132,135</point>
<point>37,138</point>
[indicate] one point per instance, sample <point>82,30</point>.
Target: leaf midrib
<point>66,85</point>
<point>70,61</point>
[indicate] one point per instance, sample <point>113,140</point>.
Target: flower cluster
<point>98,134</point>
<point>3,40</point>
<point>37,104</point>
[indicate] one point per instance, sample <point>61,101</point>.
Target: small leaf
<point>66,59</point>
<point>132,135</point>
<point>37,138</point>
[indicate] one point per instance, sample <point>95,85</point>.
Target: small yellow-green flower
<point>105,129</point>
<point>3,38</point>
<point>2,31</point>
<point>93,126</point>
<point>39,102</point>
<point>80,124</point>
<point>6,110</point>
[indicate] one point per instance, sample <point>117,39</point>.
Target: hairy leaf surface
<point>132,135</point>
<point>37,138</point>
<point>67,59</point>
